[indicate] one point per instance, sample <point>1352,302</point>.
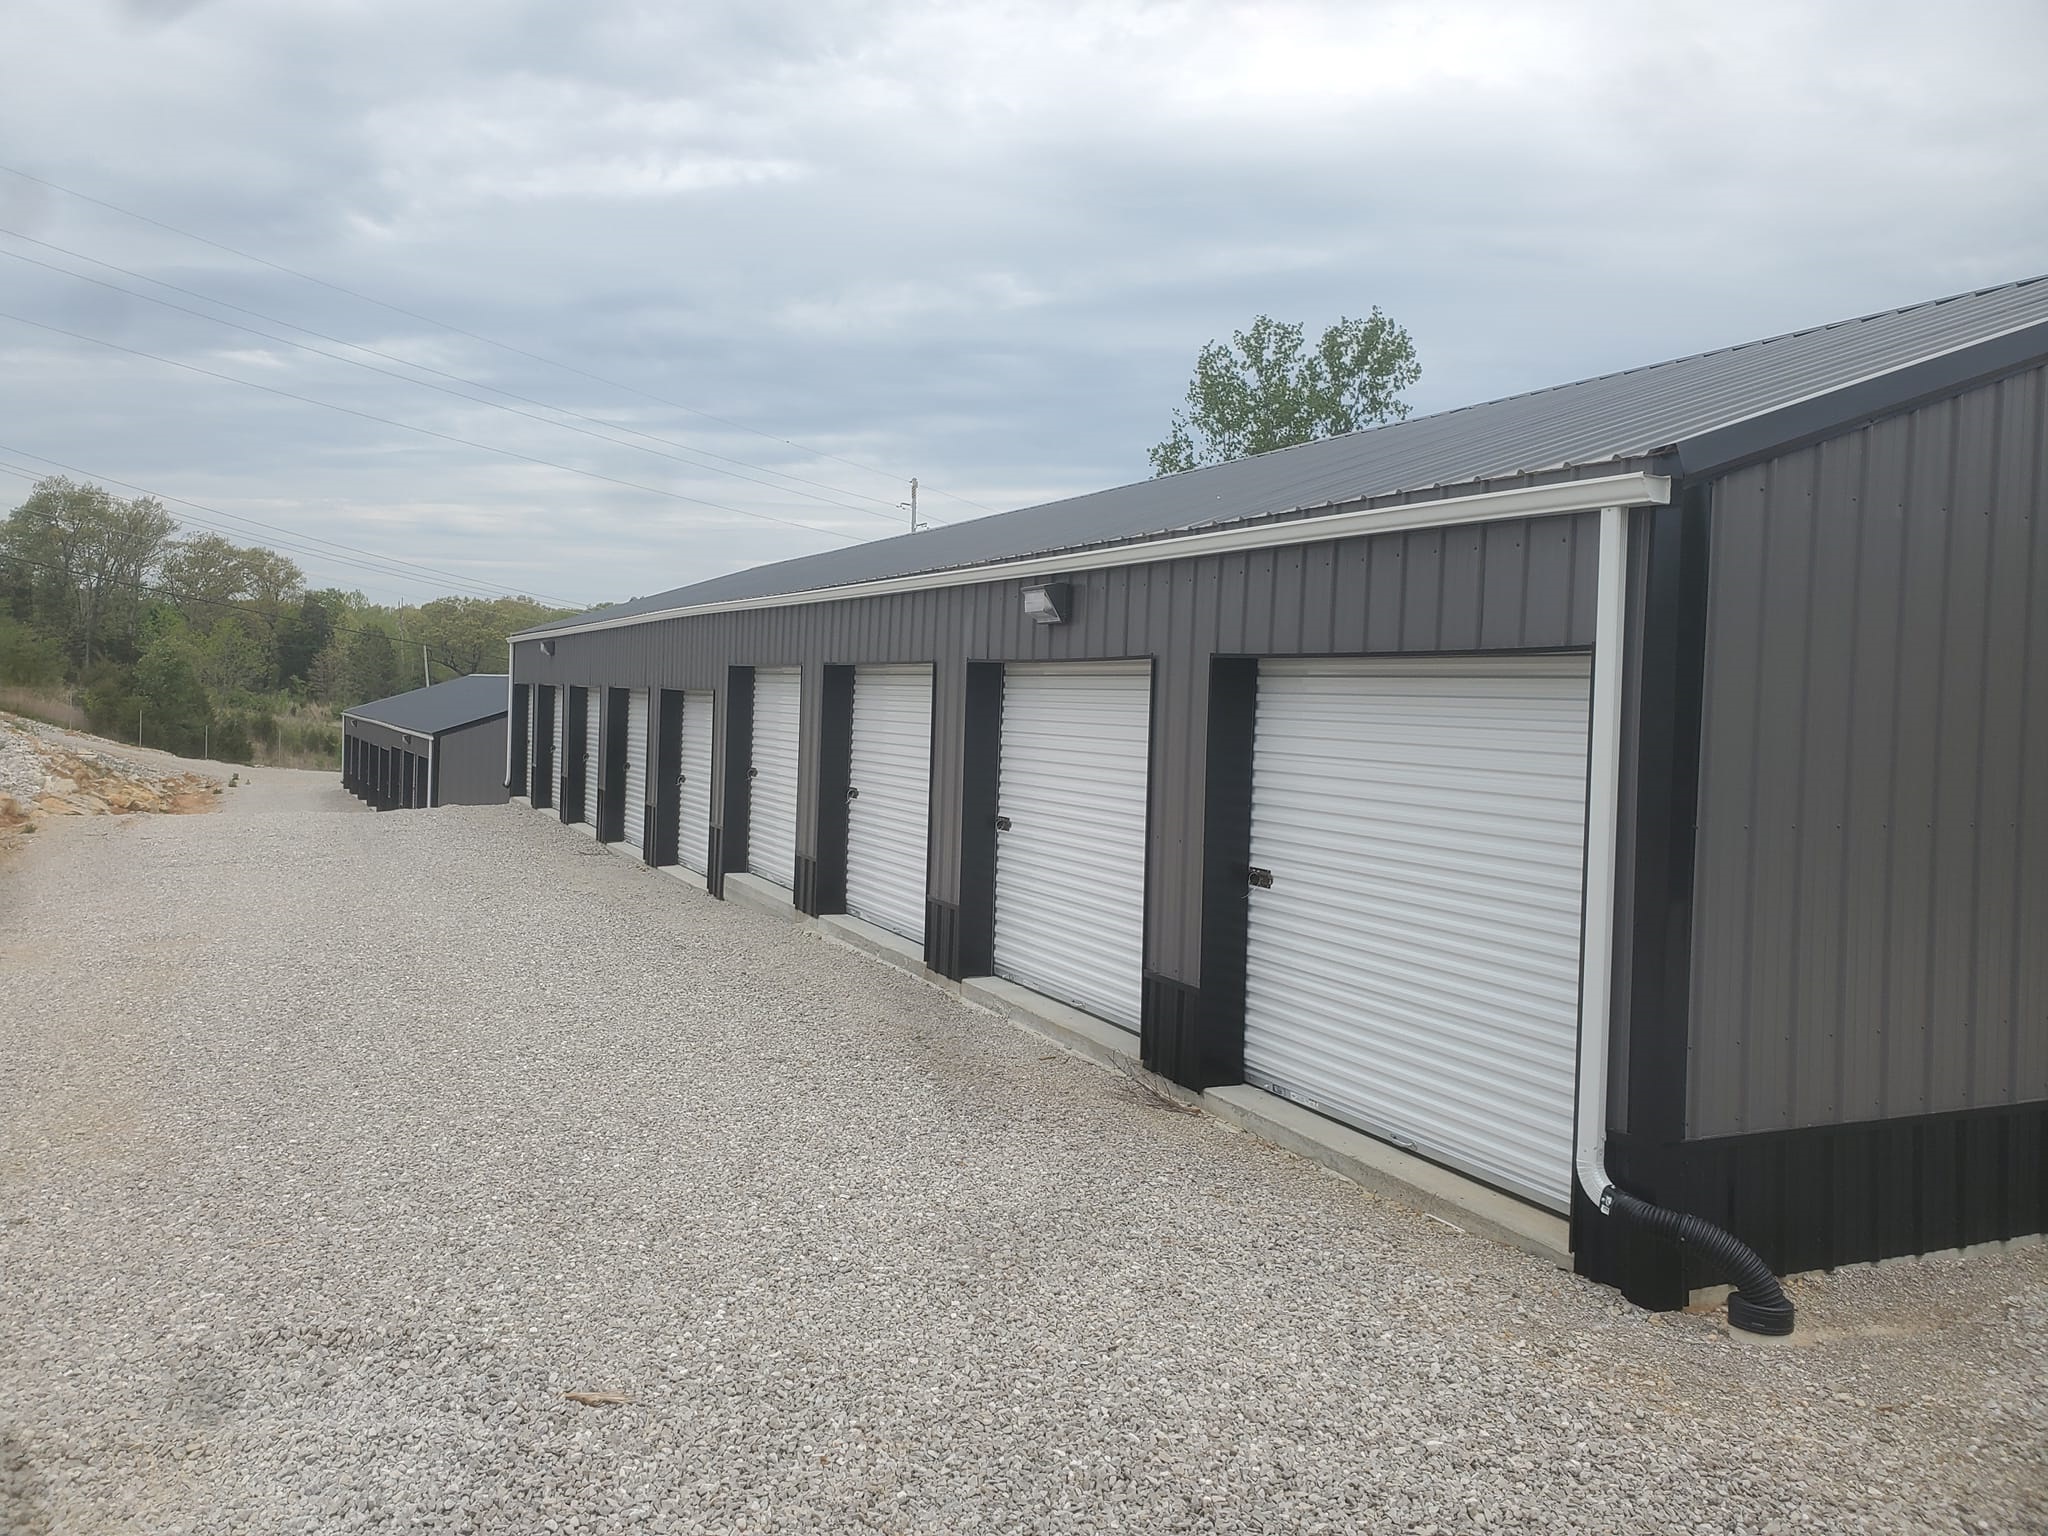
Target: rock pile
<point>45,774</point>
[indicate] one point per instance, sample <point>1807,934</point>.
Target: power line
<point>438,576</point>
<point>504,346</point>
<point>603,437</point>
<point>406,426</point>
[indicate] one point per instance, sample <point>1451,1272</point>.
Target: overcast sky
<point>976,243</point>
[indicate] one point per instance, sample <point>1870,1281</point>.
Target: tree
<point>303,633</point>
<point>370,670</point>
<point>177,710</point>
<point>468,634</point>
<point>91,553</point>
<point>1266,391</point>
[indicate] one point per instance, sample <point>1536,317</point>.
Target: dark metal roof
<point>1725,404</point>
<point>430,711</point>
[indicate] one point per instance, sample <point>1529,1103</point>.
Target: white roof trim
<point>1630,490</point>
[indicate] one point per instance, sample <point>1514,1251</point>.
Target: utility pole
<point>915,527</point>
<point>138,725</point>
<point>426,677</point>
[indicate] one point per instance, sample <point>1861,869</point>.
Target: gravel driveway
<point>335,1148</point>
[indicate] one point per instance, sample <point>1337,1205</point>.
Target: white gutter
<point>1630,490</point>
<point>1603,813</point>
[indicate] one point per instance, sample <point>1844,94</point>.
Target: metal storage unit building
<point>443,745</point>
<point>1634,784</point>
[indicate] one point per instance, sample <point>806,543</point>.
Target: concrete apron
<point>1422,1186</point>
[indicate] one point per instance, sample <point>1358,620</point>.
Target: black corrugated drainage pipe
<point>1759,1304</point>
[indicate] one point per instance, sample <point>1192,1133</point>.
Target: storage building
<point>1639,785</point>
<point>443,745</point>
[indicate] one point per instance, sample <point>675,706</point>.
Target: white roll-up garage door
<point>532,736</point>
<point>1413,968</point>
<point>693,786</point>
<point>888,811</point>
<point>635,800</point>
<point>561,737</point>
<point>593,755</point>
<point>771,802</point>
<point>1070,844</point>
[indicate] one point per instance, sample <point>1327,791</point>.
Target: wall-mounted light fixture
<point>1049,604</point>
<point>547,647</point>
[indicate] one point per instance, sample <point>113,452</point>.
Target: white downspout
<point>1603,813</point>
<point>510,687</point>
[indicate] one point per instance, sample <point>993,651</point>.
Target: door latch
<point>852,793</point>
<point>753,773</point>
<point>1262,879</point>
<point>1002,823</point>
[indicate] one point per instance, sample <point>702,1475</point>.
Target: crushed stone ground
<point>335,1148</point>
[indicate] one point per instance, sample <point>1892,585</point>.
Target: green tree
<point>176,708</point>
<point>233,657</point>
<point>1267,390</point>
<point>91,554</point>
<point>28,657</point>
<point>468,634</point>
<point>304,632</point>
<point>370,670</point>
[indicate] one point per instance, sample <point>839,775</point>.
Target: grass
<point>305,736</point>
<point>50,708</point>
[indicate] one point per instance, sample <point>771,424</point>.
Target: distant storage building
<point>443,745</point>
<point>1639,785</point>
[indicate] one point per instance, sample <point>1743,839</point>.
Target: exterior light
<point>1049,604</point>
<point>547,647</point>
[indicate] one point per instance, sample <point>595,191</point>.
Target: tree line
<point>195,643</point>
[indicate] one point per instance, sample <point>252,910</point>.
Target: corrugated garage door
<point>593,755</point>
<point>1413,968</point>
<point>634,825</point>
<point>888,812</point>
<point>1070,843</point>
<point>771,802</point>
<point>693,808</point>
<point>561,739</point>
<point>526,746</point>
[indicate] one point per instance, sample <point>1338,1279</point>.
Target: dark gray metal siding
<point>1872,889</point>
<point>469,764</point>
<point>378,734</point>
<point>1526,584</point>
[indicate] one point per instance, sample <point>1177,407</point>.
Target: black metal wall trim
<point>542,790</point>
<point>1849,1194</point>
<point>942,938</point>
<point>729,825</point>
<point>1199,1041</point>
<point>576,752</point>
<point>1671,679</point>
<point>835,775</point>
<point>980,773</point>
<point>665,796</point>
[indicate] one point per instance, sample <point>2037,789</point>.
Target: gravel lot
<point>335,1148</point>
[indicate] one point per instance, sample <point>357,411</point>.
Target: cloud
<point>977,242</point>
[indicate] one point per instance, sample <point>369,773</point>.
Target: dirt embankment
<point>45,773</point>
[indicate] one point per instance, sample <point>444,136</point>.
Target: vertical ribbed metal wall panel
<point>1873,833</point>
<point>1532,590</point>
<point>469,764</point>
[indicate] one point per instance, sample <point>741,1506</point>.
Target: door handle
<point>753,773</point>
<point>1002,823</point>
<point>852,793</point>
